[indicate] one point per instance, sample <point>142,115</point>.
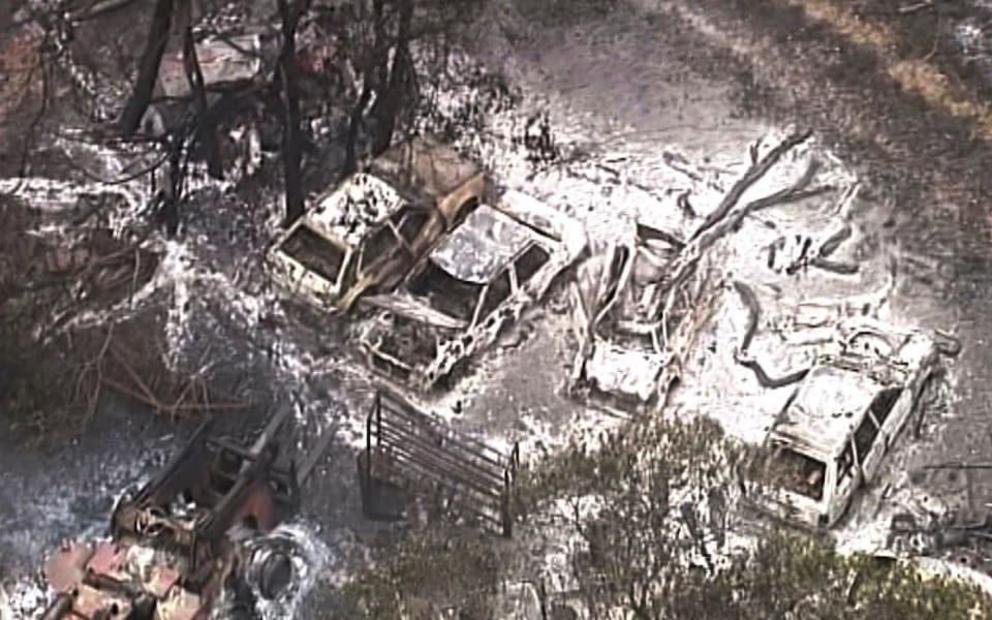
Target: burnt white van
<point>840,422</point>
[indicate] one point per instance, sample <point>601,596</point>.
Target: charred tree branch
<point>151,59</point>
<point>754,173</point>
<point>291,136</point>
<point>205,130</point>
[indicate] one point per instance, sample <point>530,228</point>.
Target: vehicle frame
<point>411,339</point>
<point>630,355</point>
<point>181,540</point>
<point>840,421</point>
<point>365,234</point>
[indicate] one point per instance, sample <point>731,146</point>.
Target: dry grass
<point>915,75</point>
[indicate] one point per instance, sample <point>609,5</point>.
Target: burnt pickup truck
<point>366,234</point>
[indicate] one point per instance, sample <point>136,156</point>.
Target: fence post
<point>507,515</point>
<point>368,449</point>
<point>378,419</point>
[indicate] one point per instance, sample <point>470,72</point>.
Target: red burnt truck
<point>178,544</point>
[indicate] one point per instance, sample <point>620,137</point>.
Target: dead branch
<point>741,355</point>
<point>753,174</point>
<point>834,241</point>
<point>844,269</point>
<point>686,262</point>
<point>754,312</point>
<point>99,9</point>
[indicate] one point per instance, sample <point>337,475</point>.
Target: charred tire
<point>271,571</point>
<point>276,573</point>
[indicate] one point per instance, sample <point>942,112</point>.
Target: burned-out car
<point>840,422</point>
<point>225,63</point>
<point>480,278</point>
<point>228,65</point>
<point>366,234</point>
<point>185,538</point>
<point>630,350</point>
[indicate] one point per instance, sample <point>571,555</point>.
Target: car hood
<point>624,371</point>
<point>416,309</point>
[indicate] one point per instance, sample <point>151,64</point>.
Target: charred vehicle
<point>631,348</point>
<point>225,63</point>
<point>480,278</point>
<point>185,537</point>
<point>840,422</point>
<point>228,66</point>
<point>366,234</point>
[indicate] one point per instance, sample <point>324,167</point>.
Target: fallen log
<point>687,260</point>
<point>753,175</point>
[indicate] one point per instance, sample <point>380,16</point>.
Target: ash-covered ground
<point>642,103</point>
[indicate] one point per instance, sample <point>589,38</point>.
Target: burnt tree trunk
<point>392,90</point>
<point>290,13</point>
<point>372,78</point>
<point>205,131</point>
<point>151,58</point>
<point>167,213</point>
<point>354,121</point>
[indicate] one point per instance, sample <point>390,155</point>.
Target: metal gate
<point>406,446</point>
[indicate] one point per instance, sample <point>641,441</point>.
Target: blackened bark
<point>205,129</point>
<point>372,79</point>
<point>167,214</point>
<point>390,100</point>
<point>350,158</point>
<point>151,58</point>
<point>291,136</point>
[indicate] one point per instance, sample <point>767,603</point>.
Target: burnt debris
<point>177,545</point>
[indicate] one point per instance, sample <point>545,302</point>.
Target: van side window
<point>865,436</point>
<point>845,463</point>
<point>882,406</point>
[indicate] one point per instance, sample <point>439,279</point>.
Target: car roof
<point>482,245</point>
<point>829,404</point>
<point>355,208</point>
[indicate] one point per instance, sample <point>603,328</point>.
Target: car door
<point>890,408</point>
<point>869,444</point>
<point>497,292</point>
<point>845,482</point>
